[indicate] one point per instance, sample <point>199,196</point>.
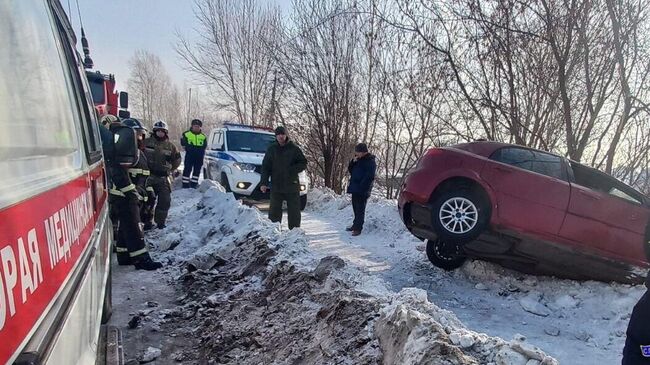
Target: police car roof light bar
<point>228,124</point>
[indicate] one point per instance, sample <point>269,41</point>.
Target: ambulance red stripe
<point>41,241</point>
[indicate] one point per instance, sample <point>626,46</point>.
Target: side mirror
<point>124,99</point>
<point>124,114</point>
<point>125,146</point>
<point>219,148</point>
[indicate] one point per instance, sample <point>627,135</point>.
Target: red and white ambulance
<point>54,229</point>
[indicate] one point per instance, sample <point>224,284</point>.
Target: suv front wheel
<point>459,215</point>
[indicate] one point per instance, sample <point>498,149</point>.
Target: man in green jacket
<point>282,163</point>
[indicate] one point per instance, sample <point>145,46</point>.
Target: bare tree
<point>232,55</point>
<point>148,85</point>
<point>318,61</point>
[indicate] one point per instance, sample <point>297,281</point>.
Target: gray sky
<point>117,28</point>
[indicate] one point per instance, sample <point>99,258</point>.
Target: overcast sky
<point>117,28</point>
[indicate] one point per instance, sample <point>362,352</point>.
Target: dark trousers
<point>193,165</point>
<point>293,208</point>
<point>161,198</point>
<point>638,334</point>
<point>359,202</point>
<point>130,238</point>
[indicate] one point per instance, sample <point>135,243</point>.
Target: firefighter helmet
<point>109,119</point>
<point>160,125</point>
<point>133,123</point>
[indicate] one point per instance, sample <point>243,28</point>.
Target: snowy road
<point>580,323</point>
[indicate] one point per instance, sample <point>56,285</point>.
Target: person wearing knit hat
<point>362,170</point>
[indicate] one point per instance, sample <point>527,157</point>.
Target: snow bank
<point>578,321</point>
<point>256,294</point>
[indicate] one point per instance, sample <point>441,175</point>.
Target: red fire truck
<point>54,229</point>
<point>105,98</point>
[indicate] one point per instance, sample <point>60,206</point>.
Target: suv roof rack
<point>245,126</point>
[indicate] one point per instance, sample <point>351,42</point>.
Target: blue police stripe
<point>225,156</point>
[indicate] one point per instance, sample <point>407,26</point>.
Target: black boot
<point>144,262</point>
<point>161,226</point>
<point>123,258</point>
<point>350,229</point>
<point>148,226</point>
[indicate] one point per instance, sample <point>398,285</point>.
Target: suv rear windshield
<point>248,141</point>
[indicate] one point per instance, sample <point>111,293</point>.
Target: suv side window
<point>517,157</point>
<point>539,162</point>
<point>619,192</point>
<point>549,165</point>
<point>219,140</point>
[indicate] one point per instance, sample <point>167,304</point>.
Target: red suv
<point>528,210</point>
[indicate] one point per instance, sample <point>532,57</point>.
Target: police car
<point>234,159</point>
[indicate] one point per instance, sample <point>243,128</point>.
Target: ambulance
<point>54,229</point>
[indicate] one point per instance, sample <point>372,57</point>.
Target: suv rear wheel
<point>459,215</point>
<point>447,256</point>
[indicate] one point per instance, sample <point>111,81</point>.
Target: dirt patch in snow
<point>250,298</point>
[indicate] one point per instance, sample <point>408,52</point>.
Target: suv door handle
<point>588,195</point>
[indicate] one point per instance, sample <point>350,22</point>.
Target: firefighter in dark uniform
<point>637,344</point>
<point>163,158</point>
<point>194,142</point>
<point>282,163</point>
<point>107,147</point>
<point>130,245</point>
<point>140,173</point>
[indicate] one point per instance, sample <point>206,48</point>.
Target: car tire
<point>225,183</point>
<point>107,307</point>
<point>459,215</point>
<point>303,202</point>
<point>445,256</point>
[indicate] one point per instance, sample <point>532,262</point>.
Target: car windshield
<point>249,141</point>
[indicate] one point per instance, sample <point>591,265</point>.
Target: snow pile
<point>414,331</point>
<point>255,294</point>
<point>578,322</point>
<point>381,214</point>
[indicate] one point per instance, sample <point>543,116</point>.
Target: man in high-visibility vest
<point>194,142</point>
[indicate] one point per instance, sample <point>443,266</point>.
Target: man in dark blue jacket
<point>195,144</point>
<point>637,344</point>
<point>362,170</point>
